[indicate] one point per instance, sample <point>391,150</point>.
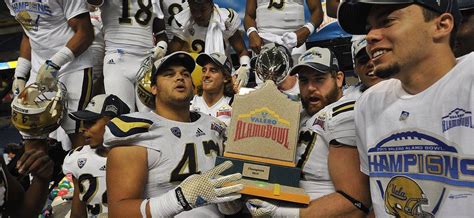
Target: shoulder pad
<point>124,126</point>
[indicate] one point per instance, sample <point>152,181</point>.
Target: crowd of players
<point>395,144</point>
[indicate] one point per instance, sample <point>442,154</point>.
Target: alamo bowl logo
<point>263,123</point>
<point>415,172</point>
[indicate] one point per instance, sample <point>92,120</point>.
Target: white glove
<point>198,190</point>
<point>231,207</point>
<point>290,40</point>
<point>159,50</point>
<point>242,76</point>
<point>18,85</point>
<point>47,74</point>
<point>259,208</point>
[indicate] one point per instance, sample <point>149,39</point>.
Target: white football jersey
<point>182,149</point>
<point>45,23</point>
<point>170,9</point>
<point>279,16</point>
<point>89,170</point>
<point>418,149</point>
<point>221,109</point>
<point>353,91</point>
<point>128,26</point>
<point>334,122</point>
<point>195,35</point>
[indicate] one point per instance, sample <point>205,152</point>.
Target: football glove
<point>160,50</point>
<point>47,74</point>
<point>259,208</point>
<point>18,85</point>
<point>242,76</point>
<point>290,40</point>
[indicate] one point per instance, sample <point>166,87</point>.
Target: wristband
<point>162,44</point>
<point>63,56</point>
<point>244,61</point>
<point>23,67</point>
<point>287,212</point>
<point>250,30</point>
<point>143,208</point>
<point>310,27</point>
<point>166,205</point>
<point>359,205</point>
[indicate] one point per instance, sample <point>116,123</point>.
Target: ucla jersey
<point>176,150</point>
<point>334,122</point>
<point>170,9</point>
<point>418,149</point>
<point>279,16</point>
<point>195,35</point>
<point>221,109</point>
<point>128,25</point>
<point>89,170</point>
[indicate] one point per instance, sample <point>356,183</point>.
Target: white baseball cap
<point>320,59</point>
<point>358,44</point>
<point>217,58</point>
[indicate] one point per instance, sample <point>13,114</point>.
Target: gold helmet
<point>404,197</point>
<point>38,112</point>
<point>144,83</point>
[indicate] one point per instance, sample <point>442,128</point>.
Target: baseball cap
<point>465,4</point>
<point>358,44</point>
<point>181,57</point>
<point>217,58</point>
<point>101,105</point>
<point>352,14</point>
<point>320,59</point>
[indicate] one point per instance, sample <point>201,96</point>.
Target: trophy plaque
<point>261,143</point>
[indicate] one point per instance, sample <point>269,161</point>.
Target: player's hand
<point>160,50</point>
<point>36,162</point>
<point>290,40</point>
<point>200,190</point>
<point>255,42</point>
<point>47,75</point>
<point>18,85</point>
<point>241,76</point>
<point>259,208</point>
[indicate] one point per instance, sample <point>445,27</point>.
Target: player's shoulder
<point>379,91</point>
<point>335,114</point>
<point>129,128</point>
<point>74,156</point>
<point>231,16</point>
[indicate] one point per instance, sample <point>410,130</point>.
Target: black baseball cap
<point>99,106</point>
<point>465,4</point>
<point>352,14</point>
<point>217,58</point>
<point>181,57</point>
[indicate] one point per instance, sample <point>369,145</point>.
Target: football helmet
<point>404,197</point>
<point>144,83</point>
<point>37,111</point>
<point>273,63</point>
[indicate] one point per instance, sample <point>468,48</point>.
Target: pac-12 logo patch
<point>81,162</point>
<point>457,118</point>
<point>176,131</point>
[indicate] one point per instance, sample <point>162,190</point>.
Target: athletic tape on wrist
<point>165,205</point>
<point>23,67</point>
<point>359,205</point>
<point>63,56</point>
<point>310,27</point>
<point>245,61</point>
<point>143,208</point>
<point>250,30</point>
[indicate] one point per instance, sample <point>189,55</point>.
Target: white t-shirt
<point>279,17</point>
<point>221,109</point>
<point>45,23</point>
<point>418,149</point>
<point>89,170</point>
<point>128,29</point>
<point>176,150</point>
<point>333,122</point>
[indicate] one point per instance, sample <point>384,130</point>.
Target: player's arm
<point>177,44</point>
<point>124,195</point>
<point>238,44</point>
<point>83,33</point>
<point>78,207</point>
<point>316,19</point>
<point>23,66</point>
<point>255,42</point>
<point>331,7</point>
<point>160,38</point>
<point>343,164</point>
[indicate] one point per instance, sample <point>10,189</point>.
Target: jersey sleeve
<point>129,130</point>
<point>72,8</point>
<point>232,22</point>
<point>340,126</point>
<point>360,137</point>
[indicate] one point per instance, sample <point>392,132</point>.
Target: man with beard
<point>465,35</point>
<point>415,132</point>
<point>158,154</point>
<point>326,152</point>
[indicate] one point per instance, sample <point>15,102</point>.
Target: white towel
<point>214,37</point>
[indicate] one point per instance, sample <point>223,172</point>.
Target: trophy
<point>263,132</point>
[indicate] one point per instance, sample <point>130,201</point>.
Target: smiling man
<point>414,132</point>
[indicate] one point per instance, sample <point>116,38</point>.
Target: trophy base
<point>268,181</point>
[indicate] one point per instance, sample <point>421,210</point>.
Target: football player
<point>216,92</point>
<point>419,117</point>
<point>14,201</point>
<point>464,39</point>
<point>129,39</point>
<point>87,163</point>
<point>326,151</point>
<point>170,9</point>
<point>54,47</point>
<point>161,152</point>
